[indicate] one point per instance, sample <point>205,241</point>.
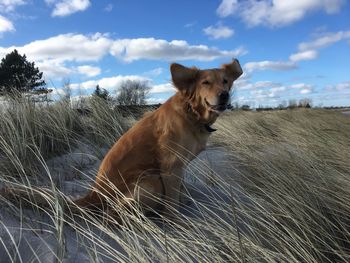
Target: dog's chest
<point>194,144</point>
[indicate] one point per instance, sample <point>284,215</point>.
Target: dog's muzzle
<point>223,102</point>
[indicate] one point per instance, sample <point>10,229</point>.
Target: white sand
<point>74,172</point>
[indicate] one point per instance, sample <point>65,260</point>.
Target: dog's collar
<point>206,125</point>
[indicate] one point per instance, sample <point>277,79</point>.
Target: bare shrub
<point>133,92</point>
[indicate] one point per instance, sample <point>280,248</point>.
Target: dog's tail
<point>45,199</point>
<point>39,197</point>
<point>92,200</point>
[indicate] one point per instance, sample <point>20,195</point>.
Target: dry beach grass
<point>272,187</point>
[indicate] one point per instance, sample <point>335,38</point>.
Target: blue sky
<point>288,49</point>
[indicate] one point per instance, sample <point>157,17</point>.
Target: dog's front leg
<point>172,189</point>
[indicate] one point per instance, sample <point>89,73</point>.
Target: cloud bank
<point>275,13</point>
<point>52,54</point>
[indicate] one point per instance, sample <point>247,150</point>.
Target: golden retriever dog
<point>146,164</point>
<point>148,160</point>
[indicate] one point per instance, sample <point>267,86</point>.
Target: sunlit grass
<point>283,196</point>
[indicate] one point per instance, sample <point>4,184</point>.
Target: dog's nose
<point>224,96</point>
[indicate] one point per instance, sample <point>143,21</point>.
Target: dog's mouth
<point>217,108</point>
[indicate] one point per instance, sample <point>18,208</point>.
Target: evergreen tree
<point>18,75</point>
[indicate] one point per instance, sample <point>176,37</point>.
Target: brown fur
<point>149,158</point>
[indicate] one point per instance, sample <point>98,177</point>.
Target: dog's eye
<point>205,82</point>
<point>225,81</point>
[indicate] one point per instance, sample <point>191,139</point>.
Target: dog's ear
<point>233,69</point>
<point>183,77</point>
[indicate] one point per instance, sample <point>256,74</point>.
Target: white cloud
<point>301,86</point>
<point>243,81</point>
<point>247,85</point>
<point>270,65</point>
<point>10,5</point>
<point>162,88</point>
<point>78,47</point>
<point>304,55</point>
<point>265,84</point>
<point>89,71</point>
<point>54,68</point>
<point>260,94</point>
<point>343,86</point>
<point>66,47</point>
<point>111,84</point>
<point>305,91</point>
<point>108,8</point>
<point>267,91</point>
<point>5,25</point>
<point>154,72</point>
<point>324,41</point>
<point>242,85</point>
<point>227,7</point>
<point>278,89</point>
<point>191,24</point>
<point>68,7</point>
<point>339,87</point>
<point>275,92</point>
<point>53,53</point>
<point>218,32</point>
<point>308,50</point>
<point>6,7</point>
<point>130,50</point>
<point>275,13</point>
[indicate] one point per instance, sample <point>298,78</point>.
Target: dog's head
<point>207,91</point>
